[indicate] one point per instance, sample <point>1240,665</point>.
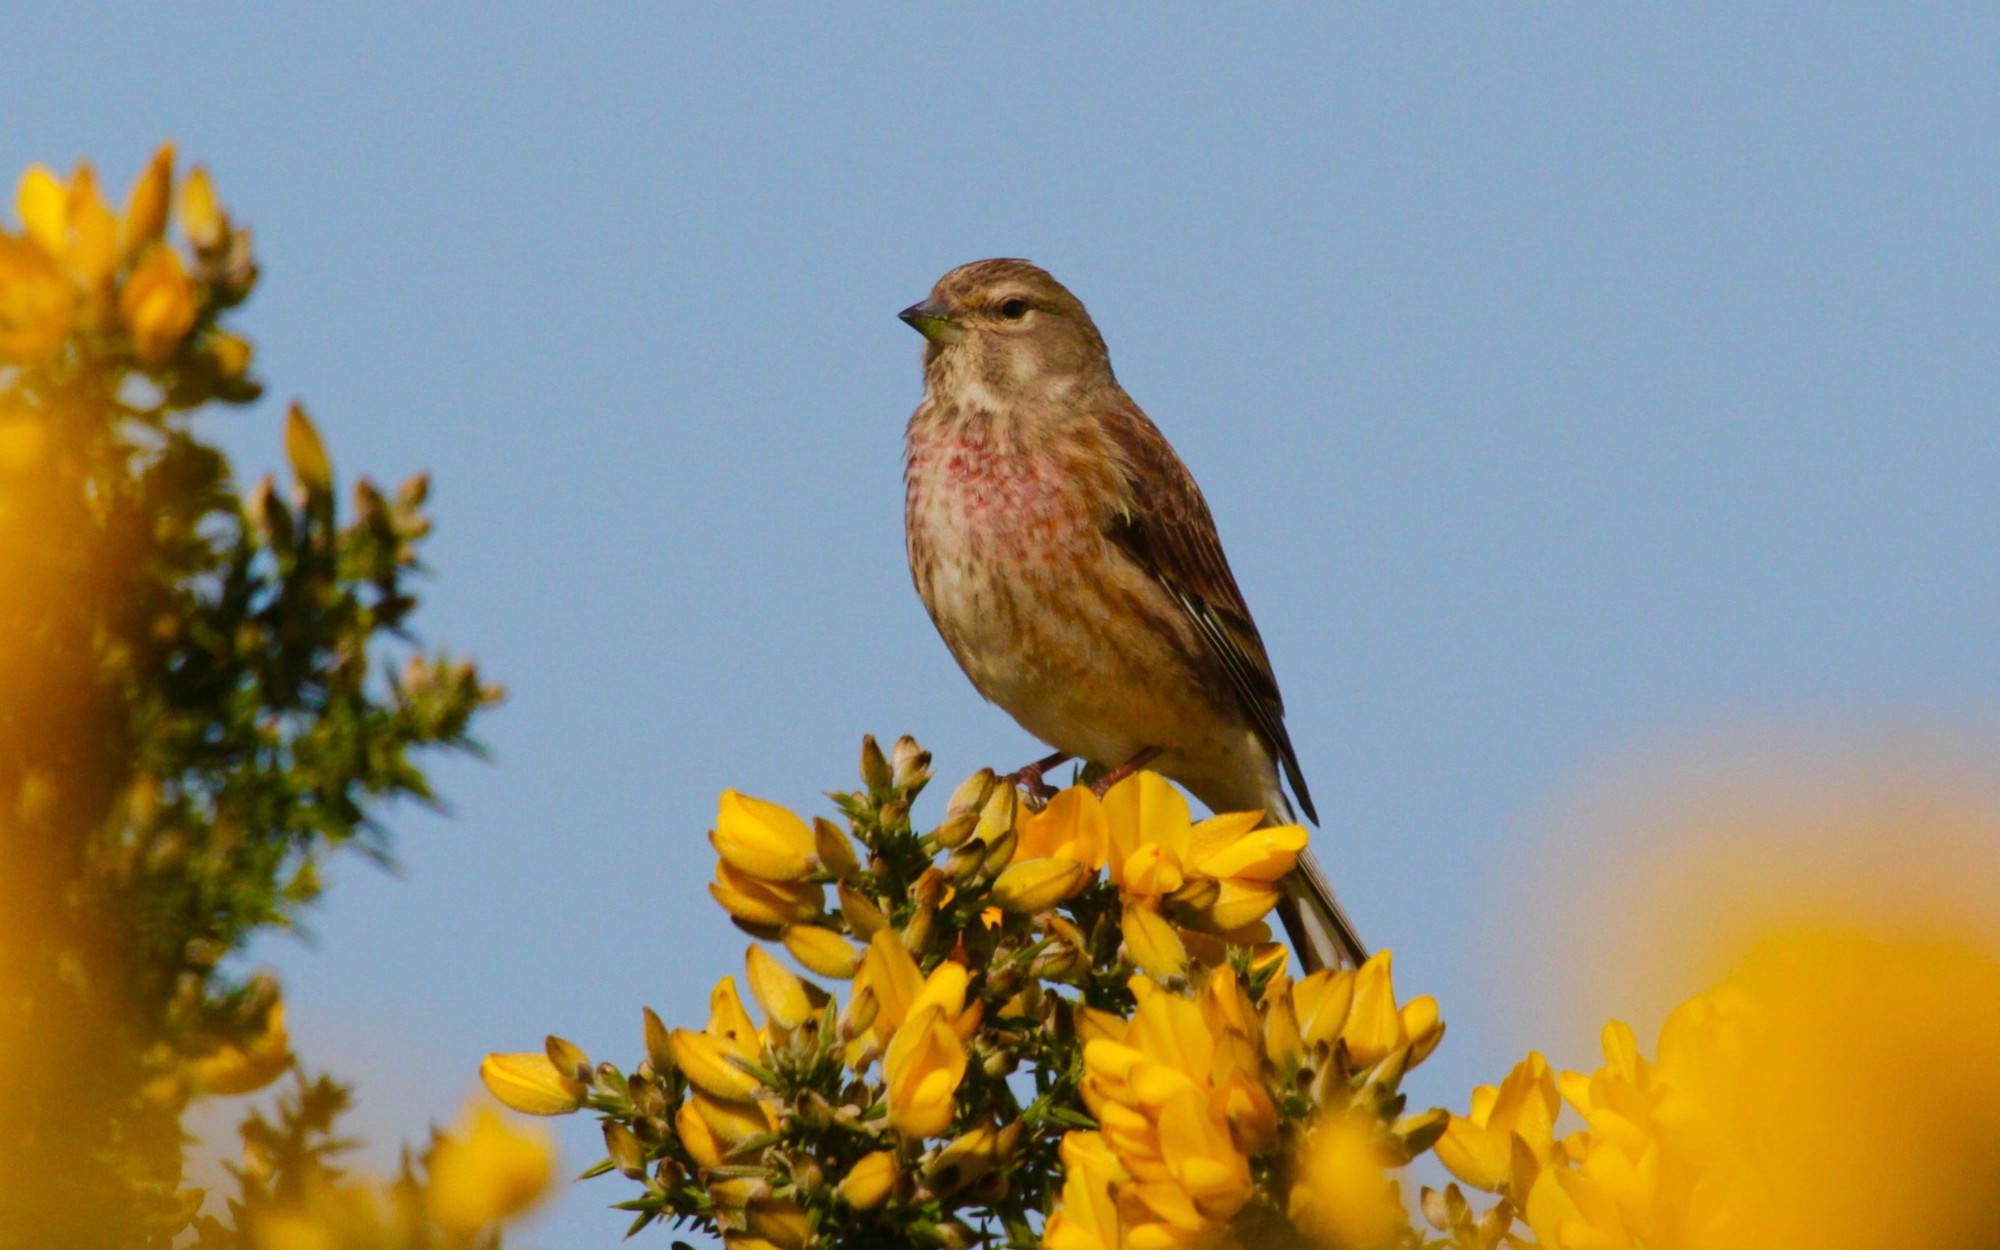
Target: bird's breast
<point>1045,614</point>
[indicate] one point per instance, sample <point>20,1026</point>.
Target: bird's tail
<point>1312,915</point>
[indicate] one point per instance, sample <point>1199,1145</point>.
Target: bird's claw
<point>1102,785</point>
<point>1029,778</point>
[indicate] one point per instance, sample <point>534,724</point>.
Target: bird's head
<point>1009,327</point>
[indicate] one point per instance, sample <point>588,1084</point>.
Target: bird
<point>1073,568</point>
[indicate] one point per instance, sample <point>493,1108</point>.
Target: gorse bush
<point>203,693</point>
<point>1067,1026</point>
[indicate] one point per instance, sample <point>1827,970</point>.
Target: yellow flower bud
<point>835,850</point>
<point>658,1056</point>
<point>36,303</point>
<point>486,1172</point>
<point>910,763</point>
<point>1322,1002</point>
<point>307,452</point>
<point>201,215</point>
<point>971,794</point>
<point>781,994</point>
<point>730,1123</point>
<point>1422,1026</point>
<point>778,1222</point>
<point>158,307</point>
<point>821,950</point>
<point>1152,944</point>
<point>967,1158</point>
<point>762,839</point>
<point>729,1024</point>
<point>705,1062</point>
<point>567,1057</point>
<point>146,207</point>
<point>870,1181</point>
<point>1374,1027</point>
<point>1035,884</point>
<point>530,1084</point>
<point>875,772</point>
<point>93,231</point>
<point>864,918</point>
<point>628,1153</point>
<point>997,817</point>
<point>232,354</point>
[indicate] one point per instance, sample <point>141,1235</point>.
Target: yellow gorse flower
<point>1519,1114</point>
<point>531,1084</point>
<point>1181,1105</point>
<point>1220,873</point>
<point>761,839</point>
<point>924,1065</point>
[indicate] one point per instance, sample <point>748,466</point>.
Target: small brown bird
<point>1069,560</point>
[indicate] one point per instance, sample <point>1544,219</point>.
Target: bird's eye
<point>1014,309</point>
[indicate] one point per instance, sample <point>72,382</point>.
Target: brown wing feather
<point>1169,531</point>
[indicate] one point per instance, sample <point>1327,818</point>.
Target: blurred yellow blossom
<point>1341,1194</point>
<point>146,207</point>
<point>485,1171</point>
<point>251,1065</point>
<point>201,213</point>
<point>36,304</point>
<point>157,305</point>
<point>43,203</point>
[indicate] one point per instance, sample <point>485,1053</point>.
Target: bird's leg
<point>1103,784</point>
<point>1029,777</point>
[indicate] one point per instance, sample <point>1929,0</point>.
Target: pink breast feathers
<point>1011,503</point>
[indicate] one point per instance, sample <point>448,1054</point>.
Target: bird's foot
<point>1103,784</point>
<point>1029,777</point>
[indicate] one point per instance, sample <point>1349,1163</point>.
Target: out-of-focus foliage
<point>1064,1026</point>
<point>202,693</point>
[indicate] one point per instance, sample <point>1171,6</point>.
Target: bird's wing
<point>1166,527</point>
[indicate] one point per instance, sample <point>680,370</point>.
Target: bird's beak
<point>932,320</point>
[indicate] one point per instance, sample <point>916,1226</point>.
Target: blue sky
<point>1565,381</point>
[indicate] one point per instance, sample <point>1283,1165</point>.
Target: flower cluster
<point>82,280</point>
<point>1064,1021</point>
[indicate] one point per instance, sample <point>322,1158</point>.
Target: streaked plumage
<point>1068,559</point>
